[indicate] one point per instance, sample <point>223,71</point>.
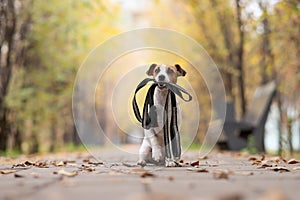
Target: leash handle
<point>176,89</point>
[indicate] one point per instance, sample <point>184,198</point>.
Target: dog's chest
<point>160,97</point>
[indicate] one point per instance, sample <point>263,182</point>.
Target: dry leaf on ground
<point>203,158</point>
<point>96,163</point>
<point>66,173</point>
<point>19,175</point>
<point>41,164</point>
<point>293,161</point>
<point>147,174</point>
<point>276,159</point>
<point>195,163</point>
<point>196,169</point>
<point>280,169</point>
<point>256,162</point>
<point>252,158</point>
<point>128,165</point>
<point>212,164</point>
<point>24,164</point>
<point>7,171</point>
<point>265,165</point>
<point>87,168</point>
<point>222,174</point>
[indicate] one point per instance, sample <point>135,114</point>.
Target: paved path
<point>221,176</point>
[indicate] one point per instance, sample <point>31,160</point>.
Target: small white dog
<point>152,148</point>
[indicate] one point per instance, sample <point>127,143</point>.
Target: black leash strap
<point>176,89</point>
<point>171,135</point>
<point>149,118</point>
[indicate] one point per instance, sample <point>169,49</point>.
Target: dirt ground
<point>219,175</point>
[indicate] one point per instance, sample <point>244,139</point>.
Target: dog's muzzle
<point>161,85</point>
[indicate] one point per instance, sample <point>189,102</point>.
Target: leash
<point>149,118</point>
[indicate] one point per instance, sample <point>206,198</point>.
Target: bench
<point>253,123</point>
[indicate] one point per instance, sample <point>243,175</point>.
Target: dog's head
<point>165,73</point>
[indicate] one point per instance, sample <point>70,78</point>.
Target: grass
<point>10,153</point>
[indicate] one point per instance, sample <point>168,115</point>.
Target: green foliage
<point>61,34</point>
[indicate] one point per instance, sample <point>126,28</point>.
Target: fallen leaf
<point>147,174</point>
<point>137,171</point>
<point>252,158</point>
<point>220,174</point>
<point>72,164</point>
<point>236,154</point>
<point>293,161</point>
<point>7,171</point>
<point>171,178</point>
<point>86,168</point>
<point>128,165</point>
<point>265,165</point>
<point>256,162</point>
<point>41,165</point>
<point>195,169</point>
<point>24,164</point>
<point>95,163</point>
<point>275,159</point>
<point>69,161</point>
<point>212,164</point>
<point>203,158</point>
<point>195,163</point>
<point>280,169</point>
<point>19,175</point>
<point>60,164</point>
<point>262,157</point>
<point>66,173</point>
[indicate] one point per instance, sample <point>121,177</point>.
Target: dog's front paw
<point>141,163</point>
<point>156,155</point>
<point>171,163</point>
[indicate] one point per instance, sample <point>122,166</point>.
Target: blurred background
<point>43,44</point>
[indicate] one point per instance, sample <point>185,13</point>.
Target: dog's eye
<point>157,70</point>
<point>170,71</point>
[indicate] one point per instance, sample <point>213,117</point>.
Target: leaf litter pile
<point>88,165</point>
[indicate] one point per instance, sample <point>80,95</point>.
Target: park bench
<point>253,123</point>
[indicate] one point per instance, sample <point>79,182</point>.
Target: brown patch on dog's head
<point>169,72</point>
<point>180,71</point>
<point>151,69</point>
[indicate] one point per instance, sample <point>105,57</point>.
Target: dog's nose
<point>161,77</point>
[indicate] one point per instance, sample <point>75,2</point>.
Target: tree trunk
<point>7,42</point>
<point>240,56</point>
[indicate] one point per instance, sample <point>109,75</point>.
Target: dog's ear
<point>151,69</point>
<point>180,71</point>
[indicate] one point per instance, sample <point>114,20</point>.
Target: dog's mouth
<point>161,85</point>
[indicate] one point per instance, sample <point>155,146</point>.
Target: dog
<point>152,149</point>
